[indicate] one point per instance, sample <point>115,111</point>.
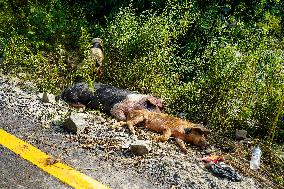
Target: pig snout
<point>202,142</point>
<point>198,140</point>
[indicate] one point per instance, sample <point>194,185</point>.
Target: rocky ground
<point>102,149</point>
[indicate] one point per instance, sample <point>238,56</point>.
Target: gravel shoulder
<point>101,150</point>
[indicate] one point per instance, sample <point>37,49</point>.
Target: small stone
<point>241,134</point>
<point>39,95</point>
<point>125,145</point>
<point>48,98</point>
<point>182,115</point>
<point>75,123</point>
<point>140,147</point>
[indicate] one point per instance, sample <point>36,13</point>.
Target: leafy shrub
<point>219,62</point>
<point>46,42</point>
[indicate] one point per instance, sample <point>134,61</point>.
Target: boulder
<point>140,147</point>
<point>75,123</point>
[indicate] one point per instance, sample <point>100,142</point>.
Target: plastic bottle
<point>255,158</point>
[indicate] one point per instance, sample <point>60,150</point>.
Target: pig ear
<point>198,130</point>
<point>155,101</point>
<point>201,130</point>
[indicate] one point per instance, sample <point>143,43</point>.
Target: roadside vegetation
<point>217,62</point>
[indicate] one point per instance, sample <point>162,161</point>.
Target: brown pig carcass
<point>181,130</point>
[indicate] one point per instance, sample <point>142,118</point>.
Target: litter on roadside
<point>255,158</point>
<point>215,164</point>
<point>213,158</point>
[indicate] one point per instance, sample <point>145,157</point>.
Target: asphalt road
<point>16,172</point>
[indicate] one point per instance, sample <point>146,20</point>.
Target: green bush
<point>220,62</point>
<point>221,72</point>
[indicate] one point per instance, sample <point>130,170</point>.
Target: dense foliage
<point>220,62</point>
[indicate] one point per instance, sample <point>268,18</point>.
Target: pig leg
<point>181,145</point>
<point>134,121</point>
<point>166,135</point>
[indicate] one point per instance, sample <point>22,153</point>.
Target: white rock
<point>39,95</point>
<point>125,144</point>
<point>75,123</point>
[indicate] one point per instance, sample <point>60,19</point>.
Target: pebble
<point>125,145</point>
<point>140,147</point>
<point>75,123</point>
